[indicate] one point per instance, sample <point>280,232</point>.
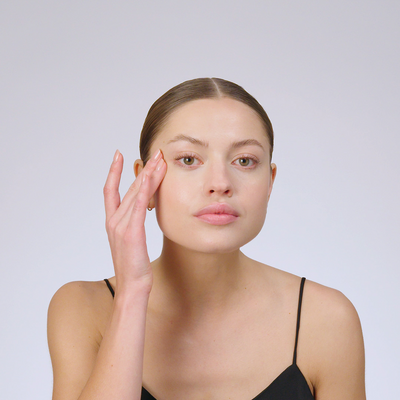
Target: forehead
<point>214,120</point>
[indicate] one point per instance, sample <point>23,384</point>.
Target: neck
<point>192,282</point>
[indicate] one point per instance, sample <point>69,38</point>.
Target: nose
<point>218,181</point>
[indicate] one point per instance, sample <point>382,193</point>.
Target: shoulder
<point>328,303</point>
<point>322,306</point>
<point>328,311</point>
<point>331,345</point>
<point>79,306</point>
<point>80,295</point>
<point>82,290</point>
<point>77,317</point>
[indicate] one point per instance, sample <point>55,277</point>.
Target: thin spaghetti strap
<point>109,287</point>
<point>298,319</point>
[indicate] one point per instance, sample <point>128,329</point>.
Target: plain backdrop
<point>76,81</point>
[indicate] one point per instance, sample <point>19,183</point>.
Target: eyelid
<point>254,159</point>
<point>186,154</point>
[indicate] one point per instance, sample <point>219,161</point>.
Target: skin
<point>203,321</point>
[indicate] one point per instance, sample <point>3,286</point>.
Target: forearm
<point>117,373</point>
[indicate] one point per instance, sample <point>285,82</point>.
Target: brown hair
<point>196,89</point>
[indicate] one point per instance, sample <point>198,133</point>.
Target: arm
<point>85,365</point>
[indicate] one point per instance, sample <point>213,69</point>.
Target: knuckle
<point>133,187</point>
<point>111,225</point>
<point>139,205</point>
<point>119,231</point>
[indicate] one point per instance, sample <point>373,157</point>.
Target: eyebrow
<point>190,139</point>
<point>234,145</point>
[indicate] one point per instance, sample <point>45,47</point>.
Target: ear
<point>273,175</point>
<point>137,169</point>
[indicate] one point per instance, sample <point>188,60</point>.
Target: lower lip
<point>217,219</point>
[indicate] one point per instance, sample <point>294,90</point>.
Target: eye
<point>244,162</point>
<point>248,162</point>
<point>187,160</point>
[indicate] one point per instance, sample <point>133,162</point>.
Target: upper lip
<point>218,208</point>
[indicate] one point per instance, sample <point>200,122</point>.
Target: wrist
<point>133,290</point>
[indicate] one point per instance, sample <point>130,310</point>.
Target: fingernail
<point>144,178</point>
<point>157,156</point>
<point>116,156</point>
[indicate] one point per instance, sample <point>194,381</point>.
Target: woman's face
<point>217,156</point>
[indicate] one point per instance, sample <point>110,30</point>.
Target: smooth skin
<point>203,321</point>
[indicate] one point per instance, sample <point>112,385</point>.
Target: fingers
<point>154,179</point>
<point>146,172</point>
<point>138,195</point>
<point>150,183</point>
<point>112,199</point>
<point>125,219</point>
<point>141,191</point>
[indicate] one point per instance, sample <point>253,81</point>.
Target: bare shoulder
<point>77,317</point>
<point>79,307</point>
<point>330,305</point>
<point>88,291</point>
<point>330,350</point>
<point>81,300</point>
<point>331,347</point>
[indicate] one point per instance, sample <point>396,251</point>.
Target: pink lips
<point>217,214</point>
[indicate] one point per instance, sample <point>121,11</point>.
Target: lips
<point>218,208</point>
<point>217,214</point>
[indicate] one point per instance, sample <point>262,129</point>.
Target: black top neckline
<point>290,384</point>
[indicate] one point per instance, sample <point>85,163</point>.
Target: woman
<point>203,321</point>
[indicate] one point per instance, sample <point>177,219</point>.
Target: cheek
<point>257,190</point>
<point>256,202</point>
<point>173,199</point>
<point>174,191</point>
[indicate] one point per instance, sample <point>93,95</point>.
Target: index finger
<point>112,198</point>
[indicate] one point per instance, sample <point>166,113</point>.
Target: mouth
<point>217,214</point>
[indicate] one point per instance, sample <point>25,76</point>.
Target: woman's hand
<point>82,369</point>
<point>125,221</point>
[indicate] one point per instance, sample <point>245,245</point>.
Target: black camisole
<point>289,385</point>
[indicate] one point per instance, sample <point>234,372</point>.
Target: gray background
<point>77,79</point>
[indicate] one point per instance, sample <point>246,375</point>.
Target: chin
<point>218,243</point>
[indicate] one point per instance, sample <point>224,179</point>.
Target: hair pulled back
<point>195,89</point>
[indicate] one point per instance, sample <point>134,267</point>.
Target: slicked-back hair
<point>196,89</point>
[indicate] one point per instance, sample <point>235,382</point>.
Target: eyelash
<point>253,159</point>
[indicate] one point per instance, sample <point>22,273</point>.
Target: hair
<point>196,89</point>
